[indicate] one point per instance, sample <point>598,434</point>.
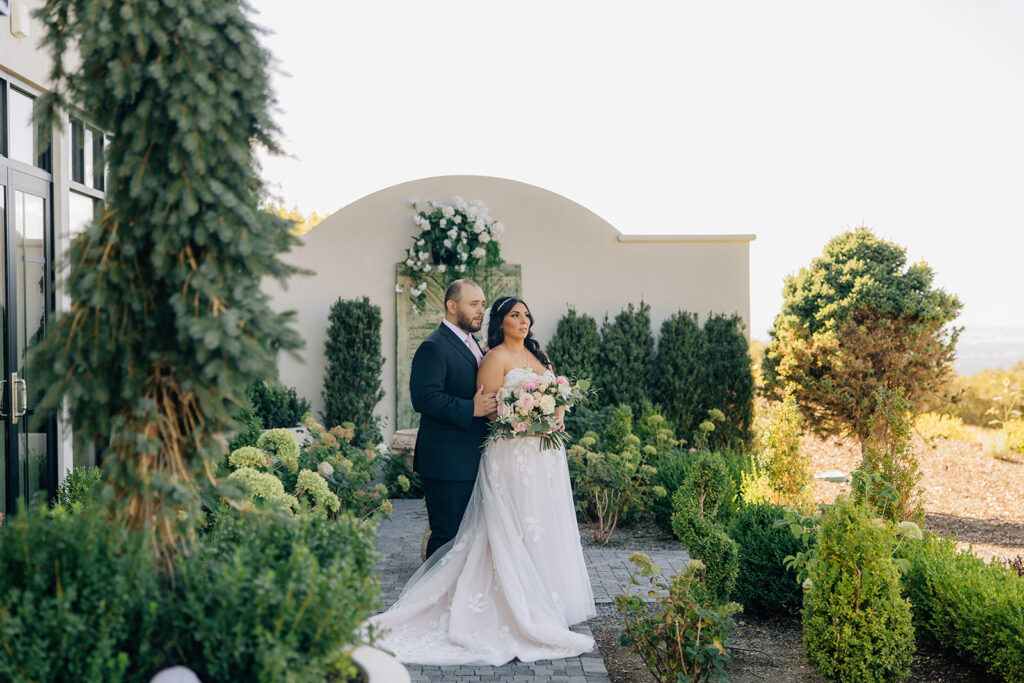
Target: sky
<point>794,121</point>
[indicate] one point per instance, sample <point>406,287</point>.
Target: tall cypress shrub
<point>352,387</point>
<point>625,360</point>
<point>680,376</point>
<point>730,383</point>
<point>575,345</point>
<point>168,324</point>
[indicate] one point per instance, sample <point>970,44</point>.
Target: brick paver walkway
<point>399,543</point>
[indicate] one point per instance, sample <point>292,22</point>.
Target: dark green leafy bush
<point>393,470</point>
<point>352,387</point>
<point>82,485</point>
<point>695,506</point>
<point>587,418</point>
<point>289,596</point>
<point>857,626</point>
<point>680,378</point>
<point>672,471</point>
<point>277,406</point>
<point>627,349</point>
<point>683,639</point>
<point>972,607</point>
<point>575,345</point>
<point>763,585</point>
<point>729,380</point>
<point>618,429</point>
<point>78,600</point>
<point>249,429</point>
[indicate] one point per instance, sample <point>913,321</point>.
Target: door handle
<point>22,398</point>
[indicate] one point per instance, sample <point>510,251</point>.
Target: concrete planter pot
<point>378,666</point>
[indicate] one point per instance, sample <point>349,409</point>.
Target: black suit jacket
<point>442,384</point>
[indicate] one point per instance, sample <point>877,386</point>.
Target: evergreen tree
<point>627,352</point>
<point>730,383</point>
<point>575,345</point>
<point>352,387</point>
<point>167,324</point>
<point>680,376</point>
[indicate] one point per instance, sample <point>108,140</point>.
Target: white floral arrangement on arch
<point>455,240</point>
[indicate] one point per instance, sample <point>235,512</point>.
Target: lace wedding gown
<point>512,580</point>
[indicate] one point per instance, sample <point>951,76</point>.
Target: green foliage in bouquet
<point>352,386</point>
<point>684,637</point>
<point>575,345</point>
<point>609,486</point>
<point>856,320</point>
<point>763,586</point>
<point>695,505</point>
<point>290,595</point>
<point>167,323</point>
<point>966,605</point>
<point>277,406</point>
<point>81,486</point>
<point>626,352</point>
<point>856,624</point>
<point>78,599</point>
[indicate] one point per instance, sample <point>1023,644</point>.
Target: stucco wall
<point>22,57</point>
<point>569,255</point>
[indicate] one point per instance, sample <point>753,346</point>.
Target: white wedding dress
<point>512,580</point>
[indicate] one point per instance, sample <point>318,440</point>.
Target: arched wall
<point>569,255</point>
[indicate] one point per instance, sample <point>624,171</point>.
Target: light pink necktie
<point>473,348</point>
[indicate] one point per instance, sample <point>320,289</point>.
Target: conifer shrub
<point>856,624</point>
<point>729,380</point>
<point>618,429</point>
<point>352,383</point>
<point>695,506</point>
<point>763,586</point>
<point>626,352</point>
<point>249,429</point>
<point>277,406</point>
<point>888,453</point>
<point>575,346</point>
<point>681,372</point>
<point>962,603</point>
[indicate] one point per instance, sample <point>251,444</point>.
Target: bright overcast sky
<point>789,120</point>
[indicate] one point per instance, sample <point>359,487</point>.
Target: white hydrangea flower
<point>457,220</point>
<point>479,251</point>
<point>453,233</point>
<point>478,227</point>
<point>485,237</point>
<point>441,267</point>
<point>498,228</point>
<point>471,213</point>
<point>448,244</point>
<point>447,211</point>
<point>442,223</point>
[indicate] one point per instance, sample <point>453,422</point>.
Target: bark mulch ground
<point>967,494</point>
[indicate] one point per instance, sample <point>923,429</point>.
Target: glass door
<point>31,465</point>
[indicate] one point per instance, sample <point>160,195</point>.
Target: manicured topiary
<point>763,584</point>
<point>729,380</point>
<point>680,376</point>
<point>352,386</point>
<point>574,346</point>
<point>695,505</point>
<point>625,360</point>
<point>857,626</point>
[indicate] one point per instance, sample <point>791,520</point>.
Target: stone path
<point>399,544</point>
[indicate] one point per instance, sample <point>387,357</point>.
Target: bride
<point>513,580</point>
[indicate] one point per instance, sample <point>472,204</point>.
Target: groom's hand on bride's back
<point>484,404</point>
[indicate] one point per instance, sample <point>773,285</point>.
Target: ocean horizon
<point>983,347</point>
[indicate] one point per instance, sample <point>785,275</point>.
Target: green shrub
<point>695,506</point>
<point>681,376</point>
<point>779,457</point>
<point>82,485</point>
<point>730,382</point>
<point>763,585</point>
<point>393,470</point>
<point>962,603</point>
<point>78,600</point>
<point>627,349</point>
<point>655,431</point>
<point>889,453</point>
<point>277,406</point>
<point>672,471</point>
<point>587,418</point>
<point>575,345</point>
<point>352,385</point>
<point>250,429</point>
<point>683,639</point>
<point>618,429</point>
<point>289,596</point>
<point>609,487</point>
<point>856,625</point>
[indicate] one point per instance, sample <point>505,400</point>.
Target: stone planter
<point>378,666</point>
<point>403,442</point>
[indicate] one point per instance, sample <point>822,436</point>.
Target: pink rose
<point>522,426</point>
<point>530,386</point>
<point>525,401</point>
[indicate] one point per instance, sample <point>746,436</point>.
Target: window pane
<point>21,144</point>
<point>98,171</point>
<point>77,151</point>
<point>82,210</point>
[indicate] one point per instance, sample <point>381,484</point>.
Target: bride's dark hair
<point>502,307</point>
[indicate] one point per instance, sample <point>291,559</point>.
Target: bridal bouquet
<point>534,407</point>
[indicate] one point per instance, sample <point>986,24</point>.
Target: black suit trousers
<point>446,503</point>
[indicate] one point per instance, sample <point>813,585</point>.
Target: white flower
<point>547,404</point>
<point>479,251</point>
<point>325,469</point>
<point>426,267</point>
<point>459,201</point>
<point>498,228</point>
<point>398,289</point>
<point>478,227</point>
<point>442,223</point>
<point>485,237</point>
<point>471,213</point>
<point>462,255</point>
<point>409,262</point>
<point>423,256</point>
<point>415,309</point>
<point>420,243</point>
<point>447,211</point>
<point>448,244</point>
<point>425,226</point>
<point>461,268</point>
<point>453,233</point>
<point>457,220</point>
<point>441,268</point>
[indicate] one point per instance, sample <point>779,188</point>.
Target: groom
<point>453,411</point>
